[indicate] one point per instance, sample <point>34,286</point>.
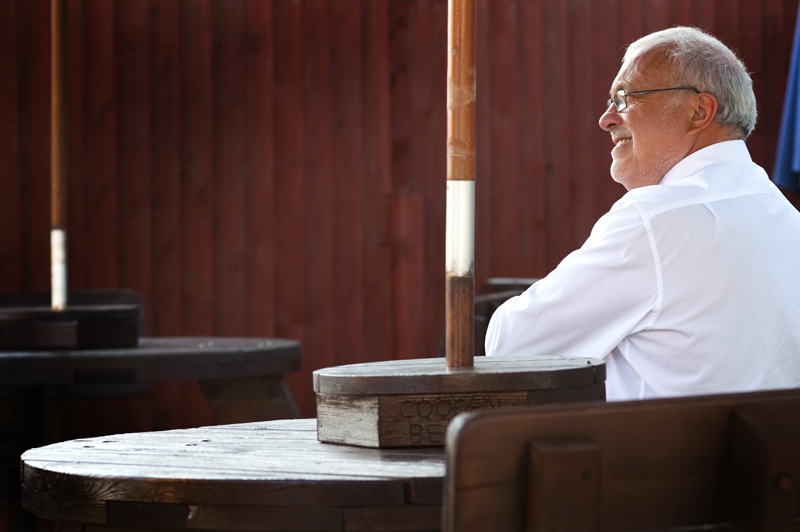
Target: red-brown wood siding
<point>276,167</point>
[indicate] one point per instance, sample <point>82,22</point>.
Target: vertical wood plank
<point>76,241</point>
<point>435,301</point>
<point>133,144</point>
<point>751,46</point>
<point>171,403</point>
<point>348,179</point>
<point>34,103</point>
<point>132,65</point>
<point>318,224</point>
<point>318,238</point>
<point>408,229</point>
<point>726,17</point>
<point>80,412</point>
<point>485,232</point>
<point>419,110</point>
<point>375,57</point>
<point>680,12</point>
<point>557,142</point>
<point>100,154</point>
<point>631,23</point>
<point>195,155</point>
<point>423,150</point>
<point>229,177</point>
<point>531,201</point>
<point>401,94</point>
<point>404,279</point>
<point>11,234</point>
<point>260,238</point>
<point>655,15</point>
<point>506,201</point>
<point>289,200</point>
<point>165,168</point>
<point>583,115</point>
<point>100,183</point>
<point>702,15</point>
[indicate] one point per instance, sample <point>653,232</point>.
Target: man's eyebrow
<point>618,86</point>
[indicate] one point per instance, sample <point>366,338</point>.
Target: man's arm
<point>599,294</point>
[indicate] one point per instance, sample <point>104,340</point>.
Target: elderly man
<point>690,284</point>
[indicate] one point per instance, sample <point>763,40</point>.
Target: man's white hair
<point>700,60</point>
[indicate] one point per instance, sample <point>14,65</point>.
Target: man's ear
<point>704,111</point>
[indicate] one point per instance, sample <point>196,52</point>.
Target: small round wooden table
<point>270,476</point>
<point>237,374</point>
<point>241,378</point>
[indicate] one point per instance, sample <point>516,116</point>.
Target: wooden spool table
<point>241,378</point>
<point>267,476</point>
<point>405,403</point>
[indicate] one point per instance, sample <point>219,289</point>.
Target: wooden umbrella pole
<point>460,238</point>
<point>58,154</point>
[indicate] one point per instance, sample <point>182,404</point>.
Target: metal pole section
<point>58,154</point>
<point>460,238</point>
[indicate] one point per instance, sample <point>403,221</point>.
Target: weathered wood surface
<point>411,402</point>
<point>401,420</point>
<point>153,360</point>
<point>710,461</point>
<point>432,376</point>
<point>256,476</point>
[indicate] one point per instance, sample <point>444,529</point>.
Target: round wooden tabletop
<point>431,375</point>
<point>152,360</point>
<point>272,475</point>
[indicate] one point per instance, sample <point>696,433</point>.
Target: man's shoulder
<point>725,180</point>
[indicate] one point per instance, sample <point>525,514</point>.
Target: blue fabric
<point>787,163</point>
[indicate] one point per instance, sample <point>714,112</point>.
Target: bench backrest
<point>713,460</point>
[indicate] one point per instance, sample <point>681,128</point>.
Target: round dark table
<point>241,378</point>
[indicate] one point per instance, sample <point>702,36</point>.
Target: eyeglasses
<point>620,99</point>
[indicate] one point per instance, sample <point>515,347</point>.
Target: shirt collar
<point>729,150</point>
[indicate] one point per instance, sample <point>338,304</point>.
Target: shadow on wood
<point>727,462</point>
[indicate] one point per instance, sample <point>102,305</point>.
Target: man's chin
<point>617,174</point>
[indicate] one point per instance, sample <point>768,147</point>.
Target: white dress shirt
<point>688,287</point>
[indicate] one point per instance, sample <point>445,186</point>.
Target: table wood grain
<point>271,476</point>
<point>153,359</point>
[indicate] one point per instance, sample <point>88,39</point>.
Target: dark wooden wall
<point>276,167</point>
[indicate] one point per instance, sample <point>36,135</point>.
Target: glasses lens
<point>620,101</point>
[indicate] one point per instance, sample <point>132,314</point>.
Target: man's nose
<point>610,119</point>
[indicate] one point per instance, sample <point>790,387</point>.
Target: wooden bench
<point>727,462</point>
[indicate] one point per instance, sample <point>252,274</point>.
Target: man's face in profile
<point>649,135</point>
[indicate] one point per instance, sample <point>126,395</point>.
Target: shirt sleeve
<point>606,290</point>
